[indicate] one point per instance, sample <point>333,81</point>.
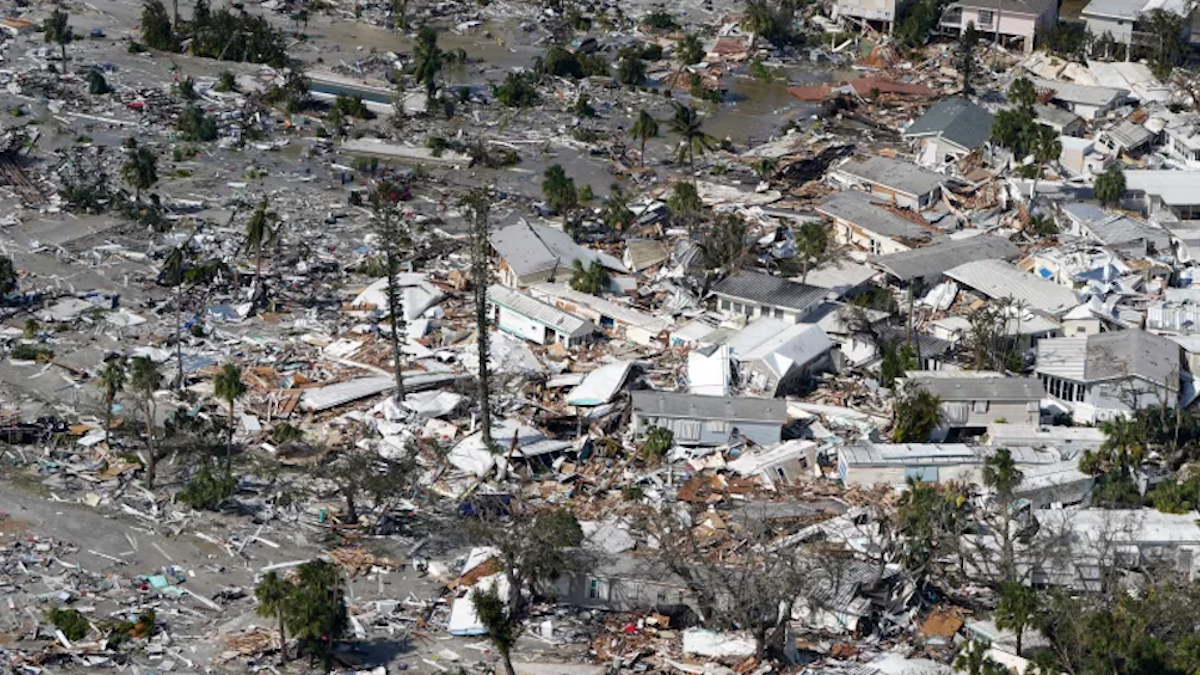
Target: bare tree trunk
<point>151,453</point>
<point>108,415</point>
<point>395,318</point>
<point>506,658</point>
<point>179,331</point>
<point>283,653</point>
<point>229,442</point>
<point>479,264</point>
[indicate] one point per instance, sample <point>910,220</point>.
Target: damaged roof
<point>1114,355</point>
<point>896,174</point>
<point>765,289</point>
<point>955,119</point>
<point>529,249</point>
<point>998,279</point>
<point>940,256</point>
<point>862,210</point>
<point>547,315</point>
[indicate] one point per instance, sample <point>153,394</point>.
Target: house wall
<point>1082,327</point>
<point>873,10</point>
<point>694,432</point>
<point>1097,401</point>
<point>525,327</point>
<point>1002,23</point>
<point>750,309</point>
<point>849,233</point>
<point>958,414</point>
<point>899,198</point>
<point>1098,25</point>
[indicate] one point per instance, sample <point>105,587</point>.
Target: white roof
<point>619,312</point>
<point>536,310</point>
<point>799,344</point>
<point>600,385</point>
<point>1080,93</point>
<point>416,294</point>
<point>1176,188</point>
<point>998,279</point>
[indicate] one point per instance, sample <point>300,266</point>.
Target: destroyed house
<point>900,182</point>
<point>926,265</point>
<point>523,316</point>
<point>864,220</point>
<point>709,420</point>
<point>970,401</point>
<point>951,128</point>
<point>1109,374</point>
<point>999,280</point>
<point>618,320</point>
<point>895,464</point>
<point>623,583</point>
<point>1116,230</point>
<point>752,294</point>
<point>533,253</point>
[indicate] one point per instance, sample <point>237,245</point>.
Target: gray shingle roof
<point>892,173</point>
<point>935,259</point>
<point>955,119</point>
<point>1111,356</point>
<point>771,291</point>
<point>983,388</point>
<point>695,406</point>
<point>860,209</point>
<point>533,248</point>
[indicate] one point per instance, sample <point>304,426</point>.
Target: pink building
<point>1009,22</point>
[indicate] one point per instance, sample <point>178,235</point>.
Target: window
<point>986,16</point>
<point>979,406</point>
<point>1079,393</point>
<point>876,247</point>
<point>717,426</point>
<point>593,589</point>
<point>1080,329</point>
<point>725,304</point>
<point>778,312</point>
<point>687,430</point>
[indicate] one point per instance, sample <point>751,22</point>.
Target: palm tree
<point>272,593</point>
<point>1047,147</point>
<point>1001,474</point>
<point>429,58</point>
<point>56,31</point>
<point>973,660</point>
<point>1017,609</point>
<point>259,233</point>
<point>145,379</point>
<point>1110,185</point>
<point>112,379</point>
<point>687,125</point>
<point>140,169</point>
<point>1123,449</point>
<point>645,128</point>
<point>593,279</point>
<point>228,386</point>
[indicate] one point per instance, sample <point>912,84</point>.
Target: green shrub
<point>70,622</point>
<point>208,490</point>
